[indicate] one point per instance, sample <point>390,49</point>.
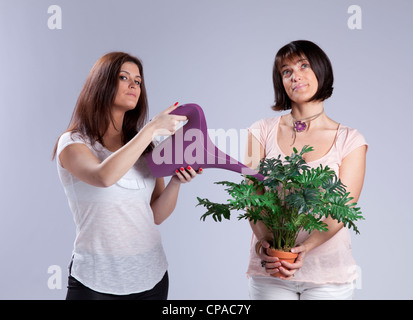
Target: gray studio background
<point>217,54</point>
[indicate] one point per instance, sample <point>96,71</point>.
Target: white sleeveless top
<point>118,248</point>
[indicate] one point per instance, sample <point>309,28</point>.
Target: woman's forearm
<point>165,203</point>
<point>317,238</point>
<point>83,163</point>
<point>163,199</point>
<point>118,163</point>
<point>261,232</point>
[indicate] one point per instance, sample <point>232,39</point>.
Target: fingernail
<point>176,103</point>
<point>189,168</point>
<point>200,169</point>
<point>182,169</point>
<point>177,171</point>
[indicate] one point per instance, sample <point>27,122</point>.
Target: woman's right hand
<point>165,124</point>
<point>271,264</point>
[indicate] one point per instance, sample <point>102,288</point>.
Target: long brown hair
<point>92,114</point>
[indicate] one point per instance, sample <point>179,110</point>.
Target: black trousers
<point>78,291</point>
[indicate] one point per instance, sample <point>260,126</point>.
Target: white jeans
<point>270,288</point>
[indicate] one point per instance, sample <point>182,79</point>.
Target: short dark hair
<point>319,62</point>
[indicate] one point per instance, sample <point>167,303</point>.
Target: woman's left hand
<point>287,269</point>
<point>184,175</point>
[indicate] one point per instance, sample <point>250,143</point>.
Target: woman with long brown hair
<point>116,202</point>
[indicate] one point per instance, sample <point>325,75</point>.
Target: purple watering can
<point>191,146</point>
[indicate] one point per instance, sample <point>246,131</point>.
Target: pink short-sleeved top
<point>331,262</point>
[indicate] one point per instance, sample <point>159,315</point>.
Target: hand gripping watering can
<point>191,146</point>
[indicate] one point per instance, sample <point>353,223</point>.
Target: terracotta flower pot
<point>282,256</point>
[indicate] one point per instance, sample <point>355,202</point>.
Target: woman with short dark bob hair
<point>325,268</point>
<point>116,202</point>
<point>320,64</point>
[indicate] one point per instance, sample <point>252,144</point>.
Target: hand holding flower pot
<point>291,198</point>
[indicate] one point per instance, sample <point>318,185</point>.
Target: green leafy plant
<point>292,197</point>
